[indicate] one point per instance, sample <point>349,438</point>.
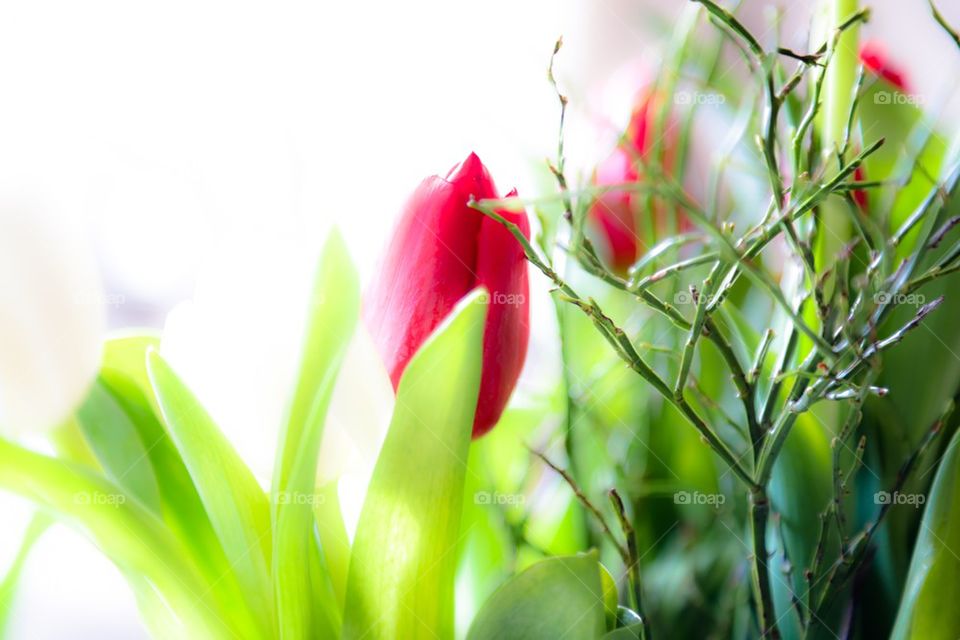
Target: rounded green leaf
<point>559,597</point>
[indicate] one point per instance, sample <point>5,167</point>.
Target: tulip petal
<point>874,58</point>
<point>430,263</point>
<point>441,249</point>
<point>428,267</point>
<point>502,269</point>
<point>51,318</point>
<point>613,211</point>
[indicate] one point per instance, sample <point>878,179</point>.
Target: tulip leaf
<point>633,632</point>
<point>928,608</point>
<point>306,604</point>
<point>334,539</point>
<point>126,356</point>
<point>120,423</point>
<point>115,437</point>
<point>39,523</point>
<point>174,599</point>
<point>610,597</point>
<point>800,489</point>
<point>237,506</point>
<point>401,576</point>
<point>560,597</point>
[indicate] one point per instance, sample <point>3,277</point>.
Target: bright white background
<point>167,128</point>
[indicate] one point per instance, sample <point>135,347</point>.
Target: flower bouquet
<point>747,426</point>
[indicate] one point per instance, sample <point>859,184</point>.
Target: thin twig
<point>585,501</point>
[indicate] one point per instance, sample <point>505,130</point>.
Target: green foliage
<point>401,580</point>
<point>235,503</point>
<point>928,609</point>
<point>169,587</point>
<point>554,598</point>
<point>800,490</point>
<point>305,596</point>
<point>775,360</point>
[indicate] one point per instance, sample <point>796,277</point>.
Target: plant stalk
<point>760,573</point>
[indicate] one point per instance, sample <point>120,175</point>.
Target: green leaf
<point>400,583</point>
<point>559,597</point>
<point>126,356</point>
<point>304,607</point>
<point>334,539</point>
<point>120,422</point>
<point>629,626</point>
<point>237,506</point>
<point>800,489</point>
<point>114,436</point>
<point>39,523</point>
<point>928,609</point>
<point>633,632</point>
<point>174,599</point>
<point>610,597</point>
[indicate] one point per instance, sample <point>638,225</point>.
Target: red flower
<point>441,249</point>
<point>873,56</point>
<point>614,213</point>
<point>859,195</point>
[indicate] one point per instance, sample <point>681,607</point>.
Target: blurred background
<point>174,133</point>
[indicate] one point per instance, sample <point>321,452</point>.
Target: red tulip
<point>441,249</point>
<point>615,213</point>
<point>873,57</point>
<point>859,195</point>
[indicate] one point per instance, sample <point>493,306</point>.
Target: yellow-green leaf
<point>559,597</point>
<point>306,604</point>
<point>237,506</point>
<point>928,609</point>
<point>400,582</point>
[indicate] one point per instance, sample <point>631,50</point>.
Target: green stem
<point>760,574</point>
<point>634,561</point>
<point>841,77</point>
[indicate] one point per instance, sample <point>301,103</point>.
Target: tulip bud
<point>615,213</point>
<point>441,249</point>
<point>874,58</point>
<point>51,319</point>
